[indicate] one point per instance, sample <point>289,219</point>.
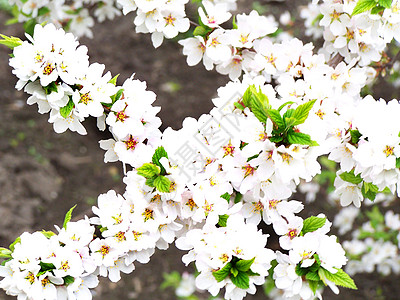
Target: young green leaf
<point>66,110</point>
<point>234,272</point>
<point>234,25</point>
<point>150,182</point>
<point>362,6</point>
<point>114,80</point>
<point>117,96</point>
<point>258,109</point>
<point>226,196</point>
<point>46,266</point>
<point>276,118</point>
<point>48,234</point>
<point>355,136</point>
<point>242,280</point>
<point>10,41</point>
<point>222,220</point>
<point>5,253</point>
<point>300,138</point>
<point>302,111</point>
<point>386,3</point>
<point>350,177</point>
<point>148,170</point>
<point>313,285</point>
<point>398,162</point>
<point>158,154</point>
<point>221,274</point>
<point>52,87</point>
<point>244,265</point>
<point>311,224</point>
<point>162,184</point>
<point>284,104</point>
<point>248,95</point>
<point>300,271</point>
<point>12,245</point>
<point>238,105</point>
<point>313,276</point>
<point>369,190</point>
<point>340,278</point>
<point>68,216</point>
<point>377,9</point>
<point>68,280</point>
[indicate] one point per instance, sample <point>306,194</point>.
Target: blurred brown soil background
<point>43,174</point>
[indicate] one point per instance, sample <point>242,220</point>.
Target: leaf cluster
<point>284,126</point>
<point>375,6</point>
<point>155,172</point>
<point>238,271</point>
<point>317,276</point>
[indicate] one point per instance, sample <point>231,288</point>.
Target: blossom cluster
<point>217,178</point>
<point>354,32</point>
<point>77,16</point>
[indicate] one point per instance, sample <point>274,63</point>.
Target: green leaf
<point>162,184</point>
<point>226,196</point>
<point>66,110</point>
<point>300,271</point>
<point>10,41</point>
<point>340,278</point>
<point>244,265</point>
<point>222,220</point>
<point>313,276</point>
<point>201,30</point>
<point>377,9</point>
<point>114,80</point>
<point>48,234</point>
<point>150,182</point>
<point>284,104</point>
<point>234,25</point>
<point>276,139</point>
<point>242,280</point>
<point>5,253</point>
<point>375,217</point>
<point>12,246</point>
<point>398,162</point>
<point>234,272</point>
<point>221,274</point>
<point>289,113</point>
<point>238,105</point>
<point>311,224</point>
<point>302,111</point>
<point>52,87</point>
<point>148,170</point>
<point>369,190</point>
<point>289,122</point>
<point>386,3</point>
<point>248,95</point>
<point>117,96</point>
<point>43,10</point>
<point>294,137</point>
<point>258,109</point>
<point>276,118</point>
<point>172,279</point>
<point>350,177</point>
<point>313,285</point>
<point>68,216</point>
<point>362,6</point>
<point>46,266</point>
<point>68,279</point>
<point>355,136</point>
<point>158,154</point>
<point>238,197</point>
<point>29,26</point>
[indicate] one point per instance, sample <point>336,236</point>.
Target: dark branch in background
<point>390,64</point>
<point>334,61</point>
